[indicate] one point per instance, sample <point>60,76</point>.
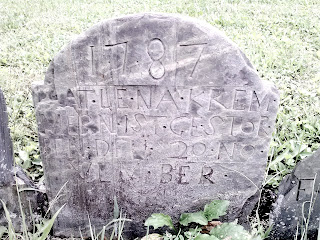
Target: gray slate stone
<point>6,153</point>
<point>162,111</point>
<point>12,177</point>
<point>295,191</point>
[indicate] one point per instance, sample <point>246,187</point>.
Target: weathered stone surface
<point>12,178</point>
<point>160,110</point>
<point>295,192</point>
<point>6,153</point>
<point>6,157</point>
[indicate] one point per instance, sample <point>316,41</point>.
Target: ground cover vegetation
<point>281,39</point>
<point>202,225</point>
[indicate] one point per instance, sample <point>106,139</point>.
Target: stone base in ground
<point>31,199</point>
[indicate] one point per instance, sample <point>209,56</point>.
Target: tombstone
<point>6,158</point>
<point>296,191</point>
<point>12,177</point>
<point>6,152</point>
<point>162,111</point>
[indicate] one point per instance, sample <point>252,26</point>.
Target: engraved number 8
<point>156,52</point>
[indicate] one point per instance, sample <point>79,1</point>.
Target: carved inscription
<point>164,112</point>
<point>197,49</point>
<point>305,188</point>
<point>157,111</point>
<point>156,52</point>
<point>101,130</point>
<point>124,55</point>
<point>183,99</point>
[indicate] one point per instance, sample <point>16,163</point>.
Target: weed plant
<point>40,227</point>
<point>204,228</point>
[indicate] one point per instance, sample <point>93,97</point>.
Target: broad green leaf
<point>216,209</point>
<point>159,220</point>
<point>278,159</point>
<point>197,217</point>
<point>291,162</point>
<point>206,237</point>
<point>230,230</point>
<point>24,155</point>
<point>281,167</point>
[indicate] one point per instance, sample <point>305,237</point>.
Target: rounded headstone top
<point>151,49</point>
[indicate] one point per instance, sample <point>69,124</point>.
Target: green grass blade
<point>90,227</point>
<point>32,218</point>
<point>56,198</point>
<point>103,232</point>
<point>11,231</point>
<point>318,237</point>
<point>81,236</point>
<point>121,227</point>
<point>297,231</point>
<point>45,230</point>
<point>116,211</point>
<point>24,224</point>
<point>112,234</point>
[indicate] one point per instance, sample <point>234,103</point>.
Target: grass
<point>281,38</point>
<point>40,227</point>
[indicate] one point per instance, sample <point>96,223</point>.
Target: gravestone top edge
<point>206,27</point>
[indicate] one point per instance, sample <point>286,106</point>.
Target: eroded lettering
<point>226,150</point>
<point>102,147</point>
<point>156,52</point>
<point>262,104</point>
<point>121,100</point>
<point>167,98</point>
<point>181,149</point>
<point>146,102</point>
<point>305,188</point>
<point>166,175</point>
<point>206,175</point>
<point>240,99</point>
<point>197,50</point>
<point>214,102</point>
<point>184,177</point>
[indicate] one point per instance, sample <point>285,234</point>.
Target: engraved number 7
<point>202,46</point>
<point>125,53</point>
